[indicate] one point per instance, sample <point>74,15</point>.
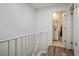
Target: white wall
<point>16,20</point>
<point>44,20</point>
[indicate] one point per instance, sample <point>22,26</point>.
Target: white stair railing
<point>30,45</point>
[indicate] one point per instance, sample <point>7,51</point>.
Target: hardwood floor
<point>59,51</point>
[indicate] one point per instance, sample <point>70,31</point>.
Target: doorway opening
<point>57,31</point>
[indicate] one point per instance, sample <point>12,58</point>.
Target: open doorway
<point>57,31</point>
<point>60,32</point>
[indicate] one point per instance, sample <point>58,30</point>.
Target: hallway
<point>26,29</point>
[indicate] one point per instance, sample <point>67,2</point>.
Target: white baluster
<point>15,47</point>
<point>8,47</point>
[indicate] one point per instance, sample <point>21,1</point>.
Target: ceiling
<point>43,5</point>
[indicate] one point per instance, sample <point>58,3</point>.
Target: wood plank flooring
<point>59,51</point>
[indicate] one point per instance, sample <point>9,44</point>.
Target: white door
<point>78,29</point>
<point>64,29</point>
<point>67,29</point>
<point>75,29</point>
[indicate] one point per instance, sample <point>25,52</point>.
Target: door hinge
<point>71,13</point>
<point>71,43</point>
